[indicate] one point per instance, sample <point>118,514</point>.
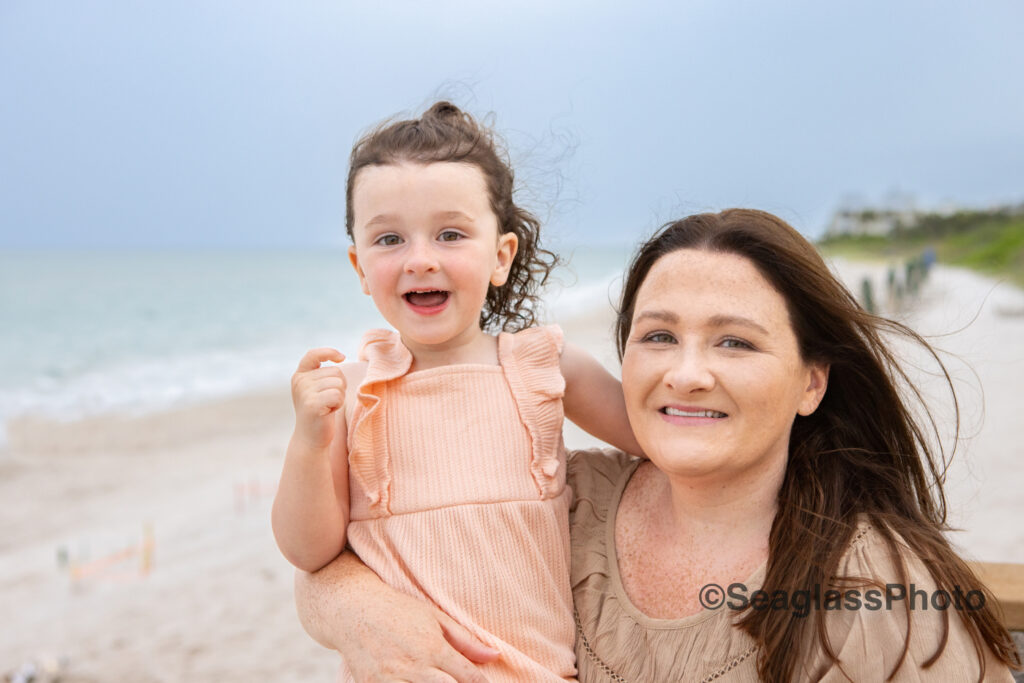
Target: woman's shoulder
<point>892,608</point>
<point>874,548</point>
<point>595,477</point>
<point>597,471</point>
<point>878,553</point>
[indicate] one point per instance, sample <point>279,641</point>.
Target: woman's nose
<point>420,258</point>
<point>690,371</point>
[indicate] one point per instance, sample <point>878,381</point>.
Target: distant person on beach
<point>438,456</point>
<point>789,523</point>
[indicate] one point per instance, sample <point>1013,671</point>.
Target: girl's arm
<point>310,512</point>
<point>594,401</point>
<point>382,633</point>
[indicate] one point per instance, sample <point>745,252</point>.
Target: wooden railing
<point>1006,581</point>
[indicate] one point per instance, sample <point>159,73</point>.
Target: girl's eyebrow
<point>388,218</point>
<point>453,215</point>
<point>380,219</point>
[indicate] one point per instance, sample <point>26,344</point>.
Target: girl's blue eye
<point>388,240</point>
<point>450,236</point>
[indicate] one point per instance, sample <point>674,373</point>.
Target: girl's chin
<point>428,338</point>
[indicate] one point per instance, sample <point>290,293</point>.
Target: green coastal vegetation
<point>991,242</point>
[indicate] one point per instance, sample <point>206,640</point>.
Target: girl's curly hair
<point>446,133</point>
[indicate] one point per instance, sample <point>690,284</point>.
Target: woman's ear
<point>508,245</point>
<point>353,258</point>
<point>817,383</point>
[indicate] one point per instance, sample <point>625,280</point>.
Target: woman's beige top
<point>457,494</point>
<point>617,642</point>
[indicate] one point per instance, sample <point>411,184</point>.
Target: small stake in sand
<point>114,566</point>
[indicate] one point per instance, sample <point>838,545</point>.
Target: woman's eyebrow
<point>664,316</point>
<point>724,320</point>
<point>713,321</point>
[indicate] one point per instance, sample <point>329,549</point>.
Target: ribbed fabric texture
<point>458,496</point>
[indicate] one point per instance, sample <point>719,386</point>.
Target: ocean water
<point>88,332</point>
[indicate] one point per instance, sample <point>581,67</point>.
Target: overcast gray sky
<point>228,123</point>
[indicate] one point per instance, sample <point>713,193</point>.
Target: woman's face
<point>711,372</point>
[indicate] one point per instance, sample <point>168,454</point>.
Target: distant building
<point>874,222</point>
<point>857,219</point>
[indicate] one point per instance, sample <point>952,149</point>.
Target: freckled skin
<point>663,570</point>
<point>709,334</point>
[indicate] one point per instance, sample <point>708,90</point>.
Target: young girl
<point>439,455</point>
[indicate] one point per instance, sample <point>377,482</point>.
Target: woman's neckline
<point>752,582</point>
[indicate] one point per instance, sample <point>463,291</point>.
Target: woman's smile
<point>691,415</point>
<point>712,372</point>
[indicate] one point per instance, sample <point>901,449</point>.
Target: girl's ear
<point>353,258</point>
<point>817,383</point>
<point>508,245</point>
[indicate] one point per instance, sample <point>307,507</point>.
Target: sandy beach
<point>139,549</point>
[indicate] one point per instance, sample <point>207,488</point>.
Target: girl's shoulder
<point>532,359</point>
<point>542,336</point>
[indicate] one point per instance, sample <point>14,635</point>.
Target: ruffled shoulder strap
<point>368,453</point>
<point>530,360</point>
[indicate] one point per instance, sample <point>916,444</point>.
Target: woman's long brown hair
<point>863,454</point>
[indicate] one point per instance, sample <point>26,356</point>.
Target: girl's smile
<point>427,302</point>
<point>427,248</point>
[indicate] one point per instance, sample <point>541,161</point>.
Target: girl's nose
<point>690,372</point>
<point>420,258</point>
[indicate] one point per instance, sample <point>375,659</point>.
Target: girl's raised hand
<point>317,393</point>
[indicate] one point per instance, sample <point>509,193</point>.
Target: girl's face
<point>711,371</point>
<point>426,248</point>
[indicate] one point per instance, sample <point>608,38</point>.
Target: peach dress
<point>458,495</point>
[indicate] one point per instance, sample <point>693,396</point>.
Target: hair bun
<point>443,110</point>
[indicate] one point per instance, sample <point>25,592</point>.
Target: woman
<point>788,525</point>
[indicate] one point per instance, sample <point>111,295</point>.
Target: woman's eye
<point>733,343</point>
<point>659,338</point>
<point>389,240</point>
<point>450,236</point>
